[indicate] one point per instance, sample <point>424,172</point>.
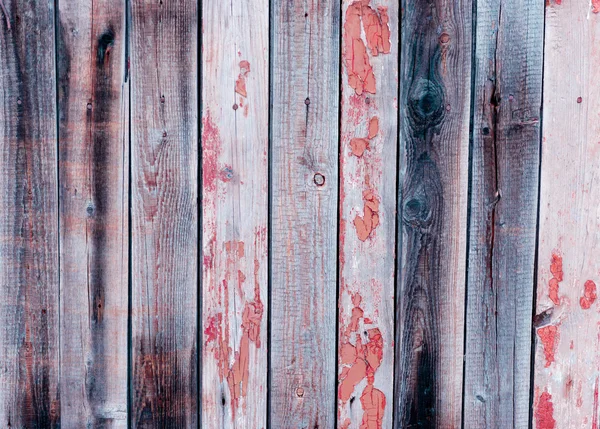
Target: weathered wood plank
<point>304,196</point>
<point>235,127</point>
<point>164,173</point>
<point>368,155</point>
<point>29,314</point>
<point>504,184</point>
<point>93,177</point>
<point>435,82</point>
<point>567,369</point>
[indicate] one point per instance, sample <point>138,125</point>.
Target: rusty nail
<point>300,392</point>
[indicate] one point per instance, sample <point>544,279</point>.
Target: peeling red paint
<point>370,220</point>
<point>359,146</point>
<point>240,83</point>
<point>544,412</point>
<point>356,58</point>
<point>589,295</point>
<point>361,361</point>
<point>373,127</point>
<point>596,6</point>
<point>556,268</point>
<point>549,337</point>
<point>211,148</point>
<point>212,330</point>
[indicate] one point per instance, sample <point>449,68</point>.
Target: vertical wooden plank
<point>435,84</point>
<point>164,230</point>
<point>93,178</point>
<point>235,138</point>
<point>567,368</point>
<point>29,314</point>
<point>368,156</point>
<point>304,200</point>
<point>504,184</point>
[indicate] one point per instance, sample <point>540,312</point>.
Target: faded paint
<point>211,149</point>
<point>240,83</point>
<point>596,6</point>
<point>370,220</point>
<point>556,268</point>
<point>589,295</point>
<point>549,336</point>
<point>544,412</point>
<point>359,146</point>
<point>373,127</point>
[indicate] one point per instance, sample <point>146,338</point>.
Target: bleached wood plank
<point>368,201</point>
<point>567,370</point>
<point>235,126</point>
<point>164,213</point>
<point>435,79</point>
<point>93,177</point>
<point>304,197</point>
<point>29,313</point>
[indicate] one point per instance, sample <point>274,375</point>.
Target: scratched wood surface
<point>235,132</point>
<point>304,212</point>
<point>93,175</point>
<point>434,143</point>
<point>567,340</point>
<point>164,213</point>
<point>503,207</point>
<point>368,170</point>
<point>29,313</point>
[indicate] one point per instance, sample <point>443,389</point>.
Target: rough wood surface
<point>164,213</point>
<point>434,142</point>
<point>505,165</point>
<point>93,178</point>
<point>369,138</point>
<point>235,127</point>
<point>304,201</point>
<point>567,325</point>
<point>29,314</point>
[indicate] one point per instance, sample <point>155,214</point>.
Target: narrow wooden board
<point>368,158</point>
<point>29,274</point>
<point>504,184</point>
<point>567,325</point>
<point>435,78</point>
<point>235,140</point>
<point>93,178</point>
<point>164,213</point>
<point>304,200</point>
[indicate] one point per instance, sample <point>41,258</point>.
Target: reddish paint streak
<point>356,58</point>
<point>549,337</point>
<point>595,411</point>
<point>359,146</point>
<point>240,83</point>
<point>361,361</point>
<point>373,127</point>
<point>556,268</point>
<point>544,413</point>
<point>370,220</point>
<point>595,6</point>
<point>212,330</point>
<point>589,295</point>
<point>211,148</point>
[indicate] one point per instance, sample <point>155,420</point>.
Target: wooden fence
<point>299,214</point>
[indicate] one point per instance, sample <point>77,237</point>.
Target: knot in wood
<point>426,105</point>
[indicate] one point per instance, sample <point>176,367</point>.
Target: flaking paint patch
<point>358,146</point>
<point>544,412</point>
<point>549,336</point>
<point>376,27</point>
<point>211,149</point>
<point>596,6</point>
<point>589,295</point>
<point>556,268</point>
<point>370,220</point>
<point>240,83</point>
<point>373,127</point>
<point>360,361</point>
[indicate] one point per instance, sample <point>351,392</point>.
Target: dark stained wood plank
<point>164,213</point>
<point>29,314</point>
<point>505,165</point>
<point>304,197</point>
<point>435,84</point>
<point>93,177</point>
<point>368,200</point>
<point>567,322</point>
<point>235,138</point>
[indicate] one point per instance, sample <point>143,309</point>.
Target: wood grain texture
<point>434,131</point>
<point>93,178</point>
<point>505,165</point>
<point>29,314</point>
<point>368,156</point>
<point>235,127</point>
<point>164,174</point>
<point>304,197</point>
<point>567,368</point>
